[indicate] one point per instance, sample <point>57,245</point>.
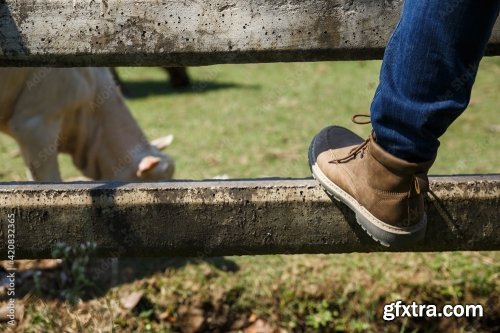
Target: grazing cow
<point>79,111</point>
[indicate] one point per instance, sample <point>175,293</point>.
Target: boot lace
<point>360,148</point>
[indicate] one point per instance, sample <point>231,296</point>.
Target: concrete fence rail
<point>194,32</point>
<point>240,217</point>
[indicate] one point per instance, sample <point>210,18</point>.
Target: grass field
<point>255,121</point>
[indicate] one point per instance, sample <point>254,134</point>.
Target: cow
<point>81,112</point>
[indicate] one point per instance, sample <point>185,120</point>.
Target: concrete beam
<point>192,32</point>
<point>240,217</point>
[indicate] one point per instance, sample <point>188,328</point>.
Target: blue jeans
<point>429,67</point>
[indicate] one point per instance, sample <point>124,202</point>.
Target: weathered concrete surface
<point>194,32</point>
<point>230,218</point>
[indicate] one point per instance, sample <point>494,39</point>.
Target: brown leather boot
<point>385,192</point>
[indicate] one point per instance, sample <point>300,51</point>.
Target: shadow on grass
<point>141,89</point>
<point>51,283</point>
<point>131,269</point>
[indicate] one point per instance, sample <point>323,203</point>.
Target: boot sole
<point>386,234</point>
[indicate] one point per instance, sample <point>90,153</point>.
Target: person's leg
<point>429,67</point>
<point>427,75</point>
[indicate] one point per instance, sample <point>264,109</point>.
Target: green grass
<point>255,121</point>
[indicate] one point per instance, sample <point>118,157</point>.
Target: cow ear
<point>147,163</point>
<point>163,142</point>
